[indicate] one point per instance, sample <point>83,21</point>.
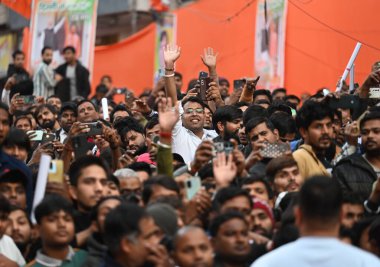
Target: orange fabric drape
<point>23,7</point>
<point>315,55</point>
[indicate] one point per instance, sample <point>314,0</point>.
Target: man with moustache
<point>46,117</point>
<point>314,121</point>
<point>357,173</point>
<point>226,121</point>
<point>43,78</point>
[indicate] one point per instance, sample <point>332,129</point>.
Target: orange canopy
<point>320,38</point>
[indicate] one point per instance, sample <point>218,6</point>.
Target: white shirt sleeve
<point>5,95</point>
<point>9,249</point>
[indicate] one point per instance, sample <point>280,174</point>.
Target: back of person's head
<point>320,201</point>
<point>226,114</point>
<point>122,222</point>
<point>284,123</point>
<point>53,203</point>
<point>311,111</point>
<point>17,137</point>
<point>141,167</point>
<point>253,123</point>
<point>279,106</point>
<point>277,164</point>
<point>220,219</point>
<point>254,111</point>
<point>228,193</point>
<point>81,163</point>
<point>161,180</point>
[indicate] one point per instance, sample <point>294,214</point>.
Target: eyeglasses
<point>197,110</point>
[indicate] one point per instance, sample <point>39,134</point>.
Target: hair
<point>17,137</point>
<point>278,90</point>
<point>219,220</point>
<point>68,106</point>
<point>206,171</point>
<point>262,92</point>
<point>141,166</point>
<point>16,208</point>
<point>45,48</point>
<point>222,79</point>
<point>81,163</point>
<point>241,104</point>
<point>177,74</point>
<point>119,108</point>
<point>69,48</point>
<point>277,106</point>
<point>16,53</point>
<point>311,111</point>
<point>53,203</point>
<point>286,233</point>
<point>320,200</point>
<point>42,107</point>
<point>284,123</point>
<point>106,77</point>
<point>5,206</point>
<point>151,123</point>
<point>225,114</point>
<point>193,99</point>
<point>22,117</point>
<point>277,164</point>
<point>125,172</point>
<point>87,101</point>
<point>372,115</point>
<point>359,228</point>
<point>352,198</point>
<point>15,176</point>
<point>253,123</point>
<point>95,209</point>
<point>129,124</point>
<point>122,222</point>
<point>252,180</point>
<point>101,88</point>
<point>293,97</point>
<point>228,193</point>
<point>254,111</point>
<point>160,180</point>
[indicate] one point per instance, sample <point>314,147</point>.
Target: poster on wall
<point>7,46</point>
<point>270,43</point>
<point>165,34</point>
<point>61,23</point>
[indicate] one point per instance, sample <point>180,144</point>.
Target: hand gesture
<point>171,54</point>
<point>213,93</point>
<point>203,154</point>
<point>168,115</point>
<point>10,82</point>
<point>197,207</point>
<point>191,93</point>
<point>141,106</point>
<point>225,169</point>
<point>111,136</point>
<point>209,58</point>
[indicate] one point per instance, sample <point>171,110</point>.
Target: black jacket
<point>354,174</point>
<point>96,251</point>
<point>83,87</point>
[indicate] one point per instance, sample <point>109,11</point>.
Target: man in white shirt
<point>318,220</point>
<point>188,132</point>
<point>9,253</point>
<point>43,78</point>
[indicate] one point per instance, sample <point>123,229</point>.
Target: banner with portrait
<point>61,23</point>
<point>270,43</point>
<point>165,34</point>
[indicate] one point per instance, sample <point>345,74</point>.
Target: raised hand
<point>171,54</point>
<point>167,115</point>
<point>225,169</point>
<point>209,58</point>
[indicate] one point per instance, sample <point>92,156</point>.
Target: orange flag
<point>22,7</point>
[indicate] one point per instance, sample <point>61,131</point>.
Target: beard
<point>48,124</point>
<point>47,62</point>
<point>231,135</point>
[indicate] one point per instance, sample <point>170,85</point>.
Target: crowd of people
<point>207,177</point>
